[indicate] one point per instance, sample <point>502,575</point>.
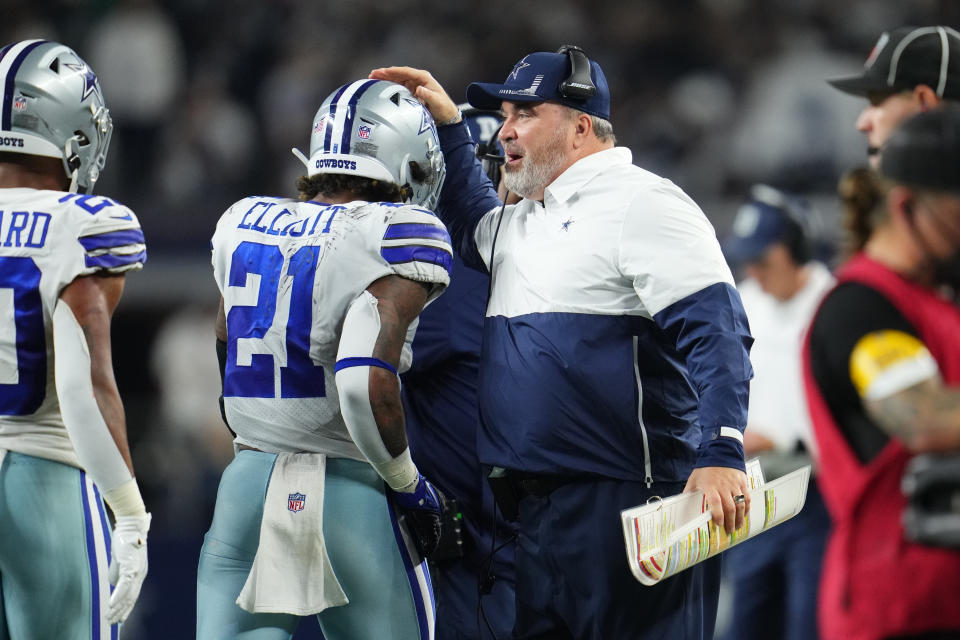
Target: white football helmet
<point>375,129</point>
<point>51,105</point>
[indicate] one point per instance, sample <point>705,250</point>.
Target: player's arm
<point>93,415</point>
<point>374,332</point>
<point>371,343</point>
<point>81,327</point>
<point>220,329</point>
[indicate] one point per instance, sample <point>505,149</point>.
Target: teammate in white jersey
<point>63,444</point>
<point>322,510</point>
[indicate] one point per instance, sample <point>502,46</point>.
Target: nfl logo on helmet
<point>363,132</point>
<point>295,502</point>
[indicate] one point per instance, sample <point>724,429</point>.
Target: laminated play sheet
<point>666,536</point>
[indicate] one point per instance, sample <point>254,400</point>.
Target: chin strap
<point>71,162</point>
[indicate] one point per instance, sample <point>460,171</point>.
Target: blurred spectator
<point>882,365</point>
<point>783,288</point>
<point>188,445</point>
<point>140,59</point>
<point>909,70</point>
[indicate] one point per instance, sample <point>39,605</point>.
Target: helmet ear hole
<point>417,172</point>
<point>395,99</point>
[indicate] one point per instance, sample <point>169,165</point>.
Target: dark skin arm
<point>93,300</point>
<point>400,301</point>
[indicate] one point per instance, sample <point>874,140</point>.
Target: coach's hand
<point>423,512</point>
<point>423,85</point>
<point>129,565</point>
<point>721,487</point>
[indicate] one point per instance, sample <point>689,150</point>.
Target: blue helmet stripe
<point>352,113</point>
<point>7,106</point>
<point>328,134</point>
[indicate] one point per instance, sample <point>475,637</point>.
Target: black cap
<point>907,57</point>
<point>924,151</point>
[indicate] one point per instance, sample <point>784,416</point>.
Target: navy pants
<point>574,582</point>
<point>776,576</point>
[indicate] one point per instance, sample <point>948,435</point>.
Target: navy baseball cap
<point>924,151</point>
<point>762,221</point>
<point>906,57</point>
<point>536,78</point>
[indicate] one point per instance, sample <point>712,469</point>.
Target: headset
<point>578,85</point>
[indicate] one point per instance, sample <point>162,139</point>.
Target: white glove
<point>128,567</point>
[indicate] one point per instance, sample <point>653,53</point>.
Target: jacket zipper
<point>647,466</point>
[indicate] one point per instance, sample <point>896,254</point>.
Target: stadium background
<point>209,96</point>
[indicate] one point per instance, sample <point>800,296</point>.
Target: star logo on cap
<point>89,78</point>
<point>523,64</point>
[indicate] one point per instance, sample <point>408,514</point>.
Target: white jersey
<point>288,270</point>
<point>47,239</point>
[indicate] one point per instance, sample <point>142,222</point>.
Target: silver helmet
<point>376,129</point>
<point>51,105</point>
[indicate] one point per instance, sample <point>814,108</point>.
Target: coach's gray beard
<point>539,167</point>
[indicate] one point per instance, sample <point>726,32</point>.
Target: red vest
<point>875,584</point>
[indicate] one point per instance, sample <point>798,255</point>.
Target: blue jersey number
<point>24,394</point>
<point>300,378</point>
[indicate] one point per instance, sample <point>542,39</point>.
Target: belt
<point>539,485</point>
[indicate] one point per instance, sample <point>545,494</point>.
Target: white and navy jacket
<point>615,343</point>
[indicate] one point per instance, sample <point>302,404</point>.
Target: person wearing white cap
<point>909,70</point>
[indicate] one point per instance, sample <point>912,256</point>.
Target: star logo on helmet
<point>89,78</point>
<point>523,64</point>
<point>426,120</point>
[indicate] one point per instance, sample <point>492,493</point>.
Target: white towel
<point>291,572</point>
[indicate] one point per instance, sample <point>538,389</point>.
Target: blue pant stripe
<point>105,525</point>
<point>91,559</point>
<point>407,556</point>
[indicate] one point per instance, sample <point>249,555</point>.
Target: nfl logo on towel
<point>295,502</point>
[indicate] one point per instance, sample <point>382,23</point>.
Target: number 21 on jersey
<point>251,325</point>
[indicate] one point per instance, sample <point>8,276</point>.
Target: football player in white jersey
<point>322,510</point>
<point>63,445</point>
